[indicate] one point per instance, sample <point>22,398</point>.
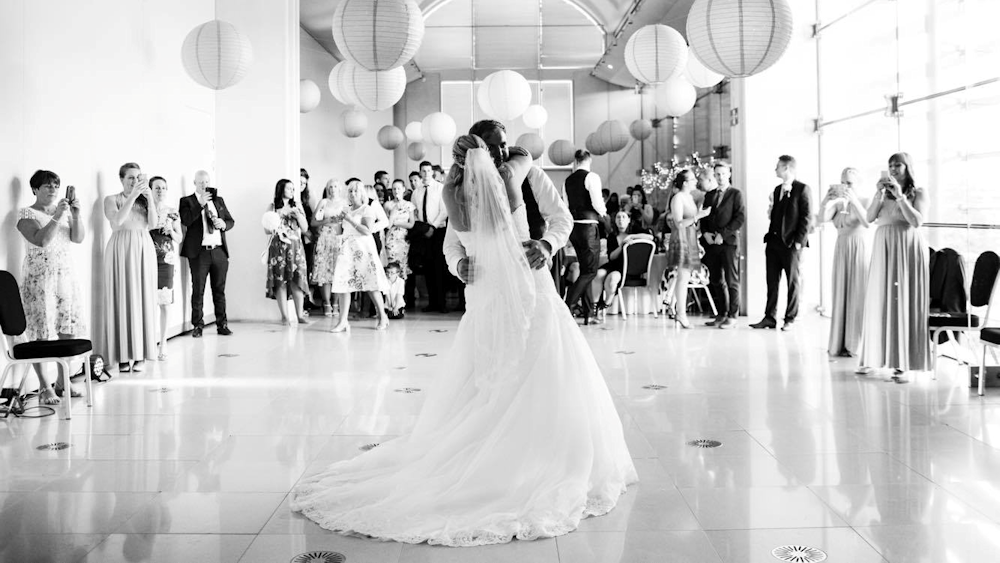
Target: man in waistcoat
<point>583,195</point>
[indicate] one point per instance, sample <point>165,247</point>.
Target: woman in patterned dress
<point>50,291</point>
<point>402,215</point>
<point>682,249</point>
<point>358,267</point>
<point>325,221</point>
<point>286,258</point>
<point>166,236</point>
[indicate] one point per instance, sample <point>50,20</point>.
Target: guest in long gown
<point>897,301</point>
<point>130,273</point>
<point>683,251</point>
<point>327,223</point>
<point>358,267</point>
<point>286,257</point>
<point>166,236</point>
<point>848,214</point>
<point>402,215</point>
<point>50,288</point>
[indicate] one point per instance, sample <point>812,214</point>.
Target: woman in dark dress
<point>166,236</point>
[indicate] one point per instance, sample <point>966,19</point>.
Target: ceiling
<point>525,35</point>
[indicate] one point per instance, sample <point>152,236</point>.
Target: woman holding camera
<point>166,236</point>
<point>848,214</point>
<point>897,300</point>
<point>286,257</point>
<point>130,272</point>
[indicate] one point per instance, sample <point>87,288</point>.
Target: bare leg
<point>325,290</point>
<point>297,299</point>
<point>344,300</point>
<point>281,298</point>
<point>46,396</point>
<point>383,320</point>
<point>163,332</point>
<point>680,292</point>
<point>598,284</point>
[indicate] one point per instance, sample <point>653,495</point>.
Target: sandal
<point>162,357</point>
<point>327,310</point>
<point>124,367</point>
<point>139,366</point>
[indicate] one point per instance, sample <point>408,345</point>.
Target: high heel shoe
<point>683,321</point>
<point>341,328</point>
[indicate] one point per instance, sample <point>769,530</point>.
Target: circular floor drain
<point>54,446</point>
<point>319,557</point>
<point>161,390</point>
<point>654,387</point>
<point>705,443</point>
<point>426,355</point>
<point>625,352</point>
<point>367,447</point>
<point>799,554</point>
<point>228,355</point>
<point>408,390</point>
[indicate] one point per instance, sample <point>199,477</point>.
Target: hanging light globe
<point>655,53</point>
<point>378,34</point>
<point>739,38</point>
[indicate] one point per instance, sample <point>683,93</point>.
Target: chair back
<point>12,319</point>
<point>637,259</point>
<point>984,276</point>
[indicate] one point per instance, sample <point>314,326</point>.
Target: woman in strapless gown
<point>519,437</point>
<point>848,214</point>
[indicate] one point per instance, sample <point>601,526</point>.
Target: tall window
<point>458,99</point>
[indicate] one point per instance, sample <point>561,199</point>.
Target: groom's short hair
<point>484,126</point>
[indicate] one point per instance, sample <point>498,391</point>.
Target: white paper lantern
<point>390,137</point>
<point>336,79</point>
<point>309,96</point>
<point>375,91</point>
<point>438,129</point>
<point>533,143</point>
<point>641,129</point>
<point>416,151</point>
<point>414,131</point>
<point>562,152</point>
<point>504,95</point>
<point>593,145</point>
<point>216,55</point>
<point>535,116</point>
<point>739,38</point>
<point>676,97</point>
<point>612,135</point>
<point>378,34</point>
<point>353,123</point>
<point>656,53</point>
<point>699,75</point>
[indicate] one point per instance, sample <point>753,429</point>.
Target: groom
<point>549,219</point>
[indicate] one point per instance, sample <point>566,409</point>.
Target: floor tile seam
<point>953,497</point>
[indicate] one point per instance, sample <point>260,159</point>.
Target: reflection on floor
<point>192,460</point>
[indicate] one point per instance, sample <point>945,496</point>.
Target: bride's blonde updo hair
<point>462,146</point>
<point>458,213</point>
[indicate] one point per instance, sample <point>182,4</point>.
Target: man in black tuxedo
<point>720,238</point>
<point>206,219</point>
<point>787,235</point>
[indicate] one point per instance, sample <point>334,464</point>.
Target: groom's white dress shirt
<point>558,220</point>
<point>437,213</point>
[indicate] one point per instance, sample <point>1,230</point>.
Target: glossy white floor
<point>192,461</point>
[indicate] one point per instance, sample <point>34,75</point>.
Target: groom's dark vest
<point>536,223</point>
<point>578,197</point>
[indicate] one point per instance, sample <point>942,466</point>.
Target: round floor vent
<point>319,557</point>
<point>54,446</point>
<point>367,447</point>
<point>161,390</point>
<point>799,554</point>
<point>408,390</point>
<point>705,443</point>
<point>654,387</point>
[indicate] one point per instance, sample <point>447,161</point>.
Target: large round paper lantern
<point>592,144</point>
<point>216,55</point>
<point>612,135</point>
<point>390,137</point>
<point>739,37</point>
<point>414,131</point>
<point>676,96</point>
<point>335,80</point>
<point>699,75</point>
<point>562,152</point>
<point>504,95</point>
<point>353,123</point>
<point>641,129</point>
<point>533,143</point>
<point>309,96</point>
<point>375,90</point>
<point>378,34</point>
<point>655,53</point>
<point>438,129</point>
<point>416,151</point>
<point>535,116</point>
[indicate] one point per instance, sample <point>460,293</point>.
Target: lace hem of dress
<point>354,523</point>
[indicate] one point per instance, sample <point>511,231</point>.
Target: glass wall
<point>942,59</point>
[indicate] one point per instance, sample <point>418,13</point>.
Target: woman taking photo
<point>848,214</point>
<point>166,236</point>
<point>286,258</point>
<point>326,221</point>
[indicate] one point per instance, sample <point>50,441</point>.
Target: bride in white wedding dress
<point>518,437</point>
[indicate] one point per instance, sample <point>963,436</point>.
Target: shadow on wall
<point>98,228</point>
<point>15,244</point>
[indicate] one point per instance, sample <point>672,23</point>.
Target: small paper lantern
<point>334,82</point>
<point>216,55</point>
<point>699,75</point>
<point>378,34</point>
<point>641,129</point>
<point>535,116</point>
<point>593,145</point>
<point>414,131</point>
<point>739,38</point>
<point>676,96</point>
<point>533,143</point>
<point>504,95</point>
<point>309,96</point>
<point>562,152</point>
<point>438,129</point>
<point>375,91</point>
<point>612,135</point>
<point>353,123</point>
<point>390,137</point>
<point>416,151</point>
<point>655,53</point>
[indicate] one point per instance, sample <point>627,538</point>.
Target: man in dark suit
<point>206,219</point>
<point>787,235</point>
<point>721,239</point>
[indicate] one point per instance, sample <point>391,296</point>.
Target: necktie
<point>209,216</point>
<point>424,210</point>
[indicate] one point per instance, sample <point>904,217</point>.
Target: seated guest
<point>326,221</point>
<point>639,210</point>
<point>358,267</point>
<point>394,301</point>
<point>166,236</point>
<point>286,257</point>
<point>50,289</point>
<point>609,274</point>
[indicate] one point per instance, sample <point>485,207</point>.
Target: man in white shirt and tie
<point>586,204</point>
<point>430,209</point>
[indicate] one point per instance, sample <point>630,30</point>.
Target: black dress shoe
<point>196,333</point>
<point>789,325</point>
<point>765,323</point>
<point>224,331</point>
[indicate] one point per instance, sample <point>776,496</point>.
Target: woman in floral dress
<point>165,237</point>
<point>683,251</point>
<point>358,267</point>
<point>402,215</point>
<point>327,223</point>
<point>286,258</point>
<point>50,290</point>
